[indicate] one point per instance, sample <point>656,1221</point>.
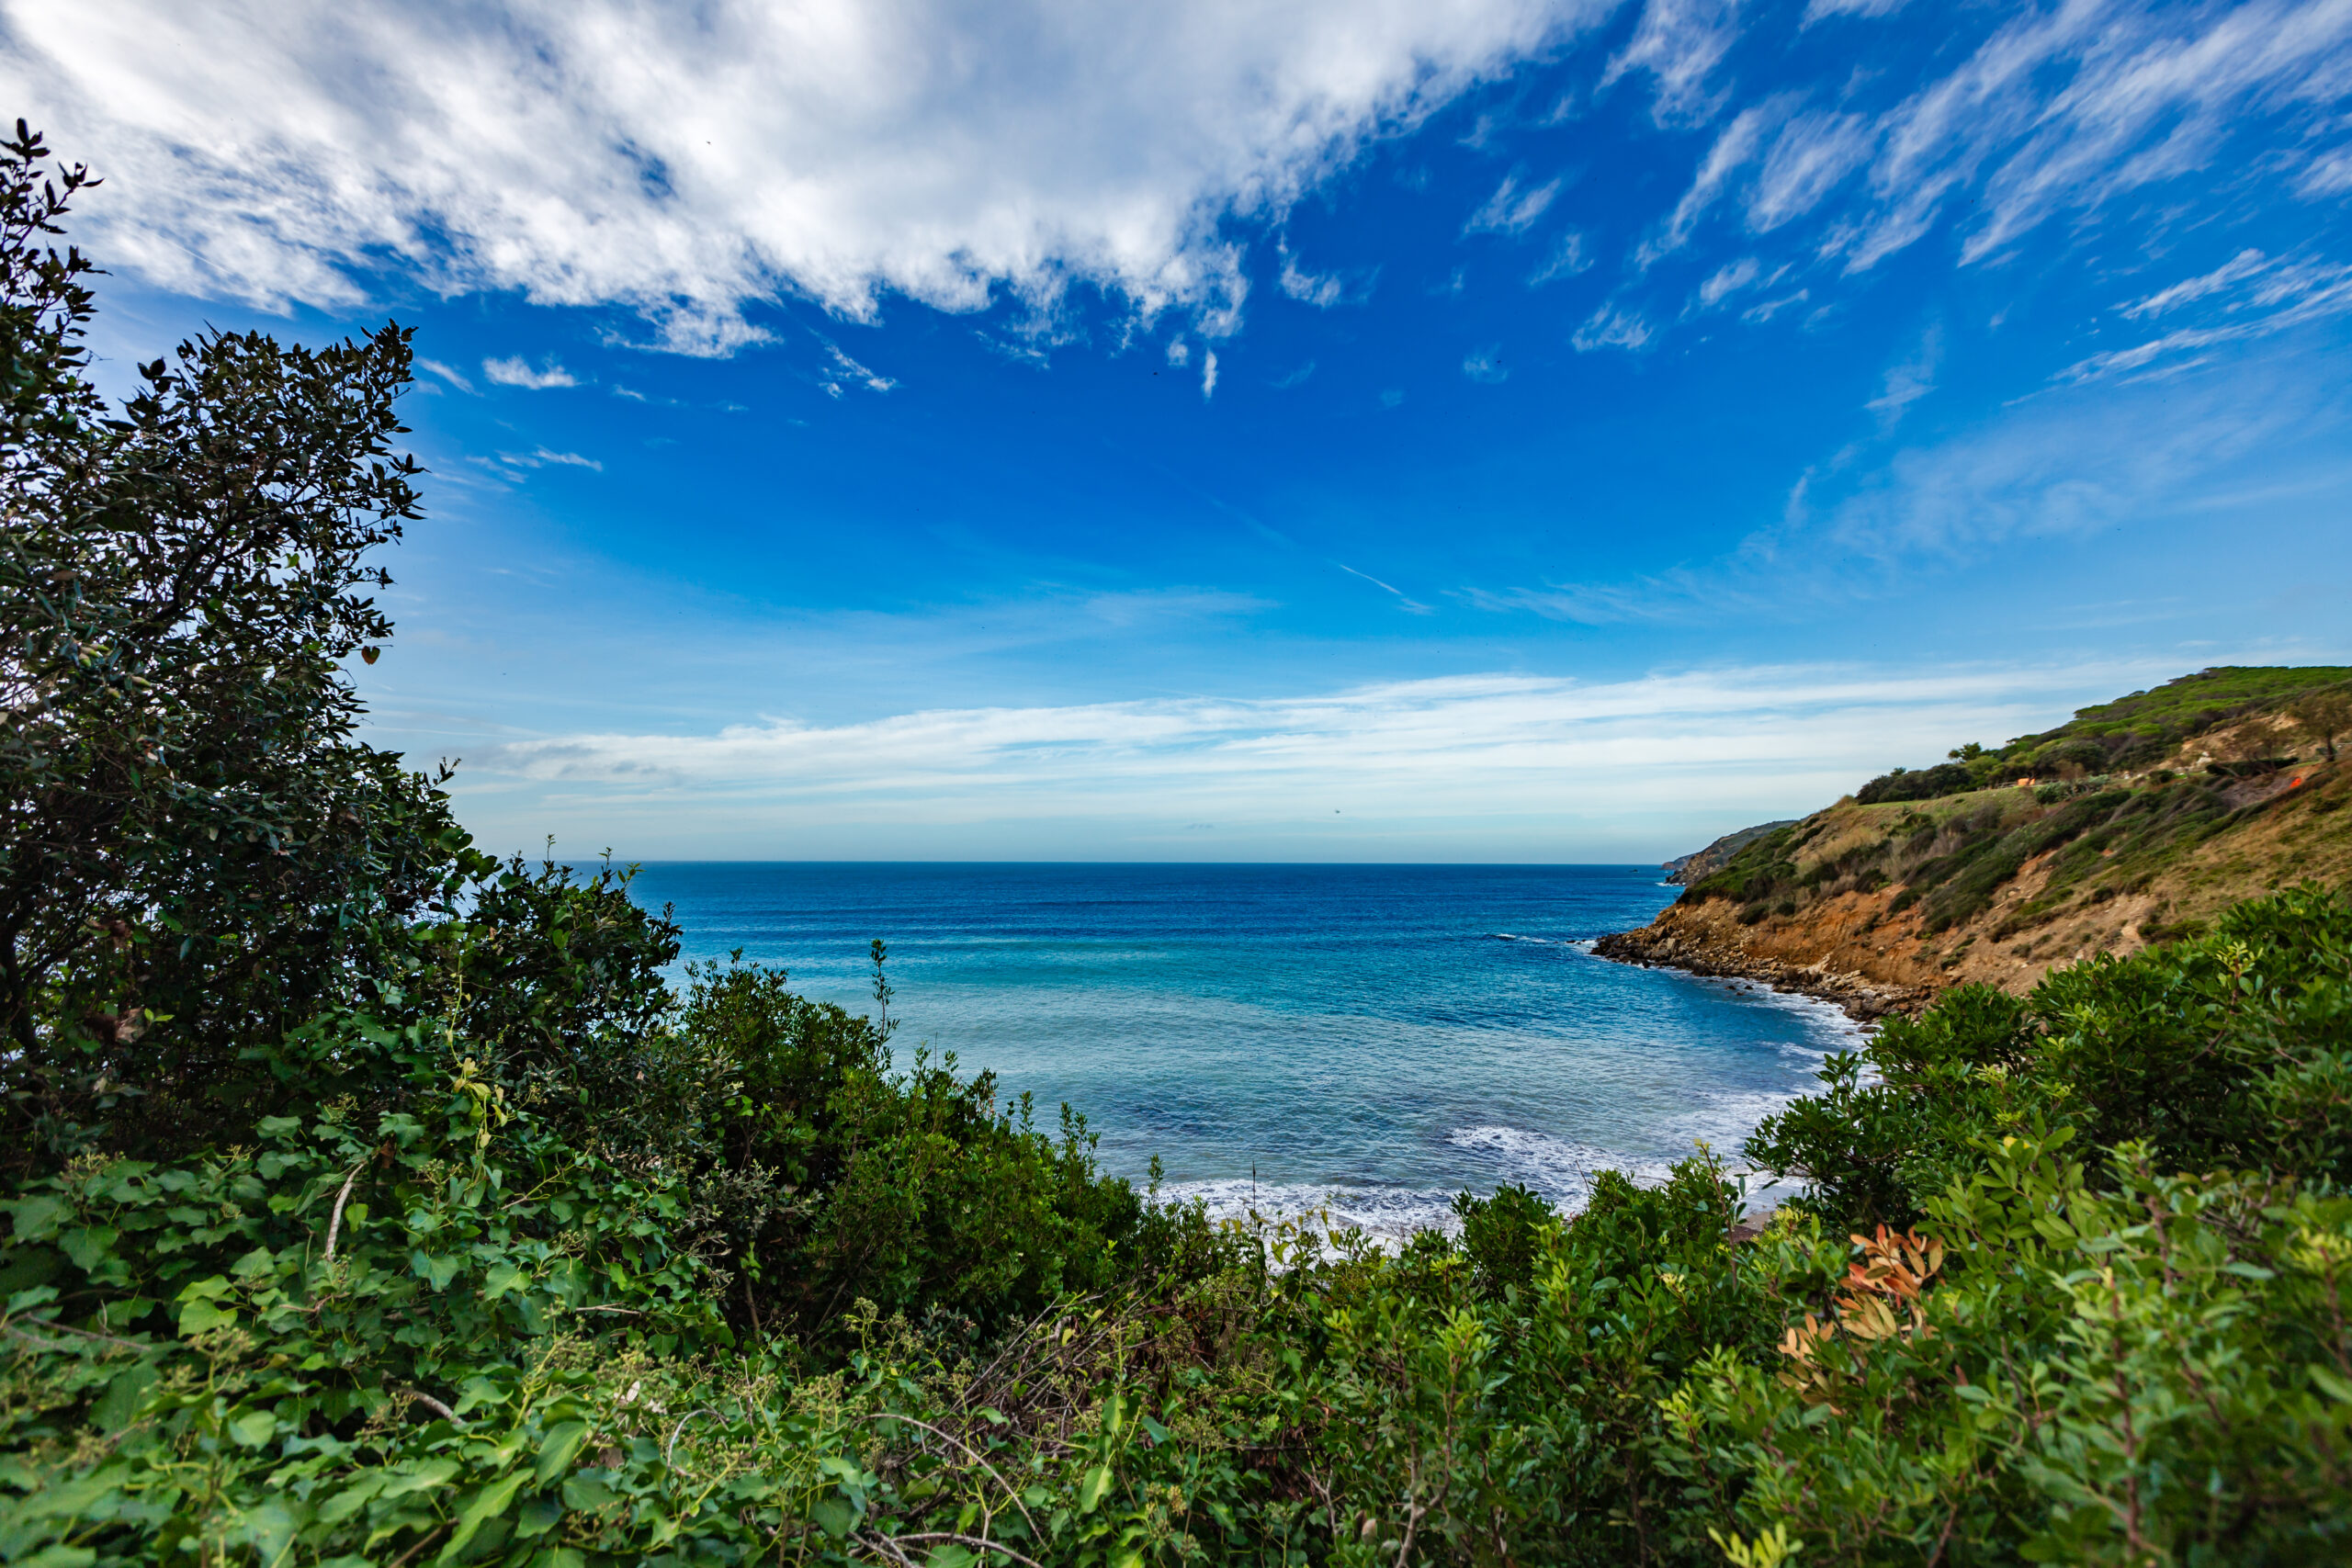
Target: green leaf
<point>352,1498</point>
<point>37,1218</point>
<point>199,1315</point>
<point>540,1515</point>
<point>560,1445</point>
<point>254,1428</point>
<point>431,1473</point>
<point>586,1494</point>
<point>59,1557</point>
<point>487,1505</point>
<point>124,1398</point>
<point>1090,1490</point>
<point>835,1517</point>
<point>89,1245</point>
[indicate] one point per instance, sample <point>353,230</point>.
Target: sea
<point>1356,1041</point>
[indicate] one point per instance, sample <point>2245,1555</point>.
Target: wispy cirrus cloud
<point>545,457</point>
<point>2250,295</point>
<point>1324,289</point>
<point>1569,255</point>
<point>842,372</point>
<point>519,372</point>
<point>1404,601</point>
<point>1887,516</point>
<point>1485,365</point>
<point>1679,43</point>
<point>1513,208</point>
<point>2070,111</point>
<point>1613,326</point>
<point>456,378</point>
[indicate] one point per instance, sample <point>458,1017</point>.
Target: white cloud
<point>1821,10</point>
<point>1759,314</point>
<point>1729,279</point>
<point>1405,601</point>
<point>842,372</point>
<point>1514,754</point>
<point>455,377</point>
<point>686,158</point>
<point>2244,265</point>
<point>1485,365</point>
<point>543,457</point>
<point>1911,380</point>
<point>1810,156</point>
<point>2256,299</point>
<point>1511,211</point>
<point>2075,112</point>
<point>1679,43</point>
<point>2330,174</point>
<point>1733,150</point>
<point>516,372</point>
<point>2077,105</point>
<point>1323,290</point>
<point>1208,375</point>
<point>2068,463</point>
<point>1179,351</point>
<point>1569,257</point>
<point>2230,449</point>
<point>1613,327</point>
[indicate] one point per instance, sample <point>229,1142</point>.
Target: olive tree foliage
<point>2325,716</point>
<point>195,848</point>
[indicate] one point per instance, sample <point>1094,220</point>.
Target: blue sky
<point>1483,431</point>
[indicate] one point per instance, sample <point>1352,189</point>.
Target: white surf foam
<point>1388,1215</point>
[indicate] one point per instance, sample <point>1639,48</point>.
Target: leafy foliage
<point>193,847</point>
<point>2136,731</point>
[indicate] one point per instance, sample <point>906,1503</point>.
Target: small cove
<point>1372,1038</point>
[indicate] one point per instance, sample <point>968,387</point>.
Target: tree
<point>2325,714</point>
<point>194,850</point>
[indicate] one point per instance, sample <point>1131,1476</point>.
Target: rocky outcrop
<point>1873,944</point>
<point>1698,947</point>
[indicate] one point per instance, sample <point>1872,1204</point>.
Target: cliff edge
<point>2136,822</point>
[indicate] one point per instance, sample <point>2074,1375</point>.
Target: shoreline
<point>1864,1001</point>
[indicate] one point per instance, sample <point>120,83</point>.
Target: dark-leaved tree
<point>195,848</point>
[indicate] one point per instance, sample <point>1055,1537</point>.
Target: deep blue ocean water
<point>1376,1038</point>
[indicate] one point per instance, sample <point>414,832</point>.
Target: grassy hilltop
<point>2136,821</point>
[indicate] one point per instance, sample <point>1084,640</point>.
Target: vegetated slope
<point>1699,864</point>
<point>2139,820</point>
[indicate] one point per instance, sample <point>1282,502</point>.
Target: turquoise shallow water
<point>1376,1038</point>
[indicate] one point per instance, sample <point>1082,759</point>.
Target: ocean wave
<point>1389,1214</point>
<point>1562,1169</point>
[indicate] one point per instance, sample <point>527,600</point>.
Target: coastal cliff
<point>2137,822</point>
